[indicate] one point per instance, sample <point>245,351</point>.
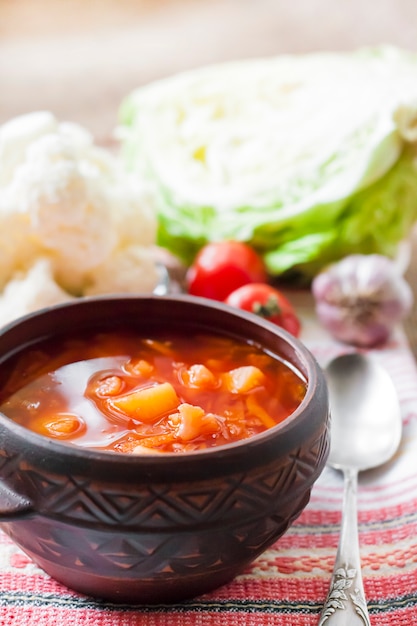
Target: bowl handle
<point>12,505</point>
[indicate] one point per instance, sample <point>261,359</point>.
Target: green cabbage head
<point>308,158</point>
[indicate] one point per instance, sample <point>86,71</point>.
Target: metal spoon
<point>366,432</point>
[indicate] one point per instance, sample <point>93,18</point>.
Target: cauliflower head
<point>68,202</point>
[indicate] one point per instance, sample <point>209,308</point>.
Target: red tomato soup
<point>125,393</point>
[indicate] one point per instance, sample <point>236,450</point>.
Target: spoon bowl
<point>365,433</point>
<point>366,418</point>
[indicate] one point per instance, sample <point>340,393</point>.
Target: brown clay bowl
<point>158,528</point>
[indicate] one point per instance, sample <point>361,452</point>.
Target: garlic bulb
<point>360,299</point>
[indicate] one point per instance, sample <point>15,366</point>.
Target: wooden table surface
<point>79,58</point>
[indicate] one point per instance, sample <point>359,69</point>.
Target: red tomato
<point>268,302</point>
<point>221,267</point>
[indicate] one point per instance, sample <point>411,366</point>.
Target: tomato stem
<point>267,309</point>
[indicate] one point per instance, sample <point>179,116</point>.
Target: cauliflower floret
<point>128,201</point>
<point>70,214</point>
<point>17,248</point>
<point>65,199</point>
<point>30,291</point>
<point>128,270</point>
<point>19,133</point>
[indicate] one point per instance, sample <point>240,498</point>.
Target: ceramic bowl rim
<point>72,451</point>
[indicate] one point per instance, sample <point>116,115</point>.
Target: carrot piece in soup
<point>63,426</point>
<point>136,444</point>
<point>256,409</point>
<point>243,379</point>
<point>210,425</point>
<point>156,441</point>
<point>148,403</point>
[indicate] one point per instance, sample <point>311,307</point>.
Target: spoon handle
<point>345,604</point>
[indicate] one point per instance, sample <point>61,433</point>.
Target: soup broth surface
<point>175,393</point>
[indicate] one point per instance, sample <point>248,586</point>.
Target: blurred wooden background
<point>79,58</point>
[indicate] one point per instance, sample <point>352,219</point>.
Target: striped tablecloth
<point>288,584</point>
